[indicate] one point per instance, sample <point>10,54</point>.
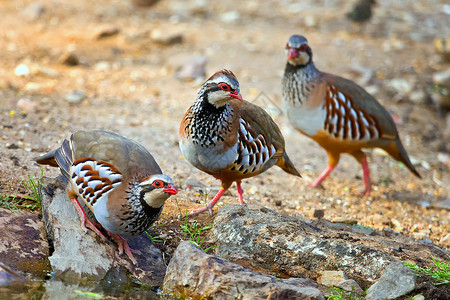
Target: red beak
<point>236,95</point>
<point>171,189</point>
<point>292,53</point>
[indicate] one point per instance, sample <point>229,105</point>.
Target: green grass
<point>154,239</point>
<point>32,187</point>
<point>439,271</point>
<point>340,294</point>
<point>193,231</point>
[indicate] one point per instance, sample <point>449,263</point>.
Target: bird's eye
<point>224,86</point>
<point>303,47</point>
<point>158,183</point>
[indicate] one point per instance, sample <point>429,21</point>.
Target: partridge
<point>229,138</point>
<point>336,113</point>
<point>116,178</point>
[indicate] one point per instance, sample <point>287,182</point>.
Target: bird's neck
<point>298,82</point>
<point>207,122</point>
<point>136,202</point>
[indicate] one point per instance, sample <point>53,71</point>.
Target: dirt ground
<point>131,87</point>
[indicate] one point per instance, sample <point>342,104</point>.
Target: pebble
<point>22,70</point>
<point>418,297</point>
<point>442,46</point>
<point>47,71</point>
<point>350,285</point>
<point>26,104</point>
<point>230,17</point>
<point>445,240</point>
<point>166,37</point>
<point>192,69</point>
<point>401,86</point>
<point>442,78</point>
<point>194,183</point>
<point>319,213</point>
<point>345,220</point>
<point>418,97</point>
<point>33,11</point>
<point>107,31</point>
<point>331,278</point>
<point>69,59</point>
<point>75,97</point>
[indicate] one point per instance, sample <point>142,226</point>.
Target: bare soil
<point>131,87</point>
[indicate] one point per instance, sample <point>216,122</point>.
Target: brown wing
<point>124,154</point>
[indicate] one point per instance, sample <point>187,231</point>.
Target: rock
<point>193,68</point>
<point>75,97</point>
<point>144,3</point>
<point>33,11</point>
<point>442,46</point>
<point>107,31</point>
<point>442,78</point>
<point>166,37</point>
<point>331,278</point>
<point>319,213</point>
<point>194,274</point>
<point>401,86</point>
<point>26,104</point>
<point>22,70</point>
<point>69,59</point>
<point>445,240</point>
<point>80,256</point>
<point>292,246</point>
<point>396,281</point>
<point>345,220</point>
<point>230,16</point>
<point>350,285</point>
<point>443,204</point>
<point>24,245</point>
<point>418,297</point>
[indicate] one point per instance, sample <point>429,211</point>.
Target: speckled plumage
<point>116,178</point>
<point>230,138</point>
<point>335,112</point>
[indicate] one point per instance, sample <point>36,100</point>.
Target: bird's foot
<point>93,227</point>
<point>197,211</point>
<point>365,193</point>
<point>316,185</point>
<point>124,247</point>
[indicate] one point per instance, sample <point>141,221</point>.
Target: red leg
<point>366,173</point>
<point>122,243</point>
<point>209,206</point>
<point>84,220</point>
<point>240,192</point>
<point>323,175</point>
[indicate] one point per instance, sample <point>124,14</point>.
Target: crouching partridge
<point>336,113</point>
<point>117,179</point>
<point>229,138</point>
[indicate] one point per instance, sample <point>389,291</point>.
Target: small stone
<point>26,104</point>
<point>69,59</point>
<point>442,46</point>
<point>166,37</point>
<point>396,281</point>
<point>230,17</point>
<point>382,219</point>
<point>418,97</point>
<point>107,31</point>
<point>33,11</point>
<point>331,278</point>
<point>442,78</point>
<point>144,3</point>
<point>193,68</point>
<point>445,240</point>
<point>418,297</point>
<point>33,87</point>
<point>75,97</point>
<point>319,213</point>
<point>350,285</point>
<point>50,72</point>
<point>401,86</point>
<point>345,220</point>
<point>22,70</point>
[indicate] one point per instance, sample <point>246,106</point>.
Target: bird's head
<point>221,88</point>
<point>156,189</point>
<point>298,51</point>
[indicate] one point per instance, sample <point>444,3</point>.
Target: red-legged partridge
<point>229,138</point>
<point>117,179</point>
<point>336,113</point>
